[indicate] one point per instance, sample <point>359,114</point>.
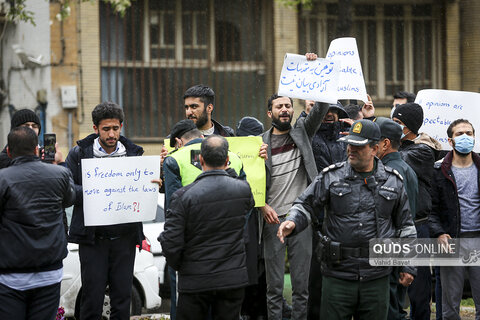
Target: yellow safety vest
<point>189,164</point>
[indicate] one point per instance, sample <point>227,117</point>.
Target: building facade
<point>146,60</point>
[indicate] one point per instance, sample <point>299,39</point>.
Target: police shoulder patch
<point>394,171</point>
<point>333,166</point>
<point>397,174</point>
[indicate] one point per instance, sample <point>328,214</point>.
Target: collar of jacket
<point>129,145</point>
<point>447,163</point>
<point>221,129</point>
<point>215,172</point>
<point>392,156</point>
<point>23,159</point>
<point>379,174</point>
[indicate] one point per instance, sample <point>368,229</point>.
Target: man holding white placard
<point>290,168</point>
<point>107,253</point>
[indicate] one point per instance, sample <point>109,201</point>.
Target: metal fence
<point>161,48</point>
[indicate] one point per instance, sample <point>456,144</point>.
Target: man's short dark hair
<point>353,111</point>
<point>214,150</point>
<point>192,134</point>
<point>395,144</point>
<point>455,123</point>
<point>274,97</point>
<point>205,93</point>
<point>405,95</point>
<point>22,141</point>
<point>107,110</point>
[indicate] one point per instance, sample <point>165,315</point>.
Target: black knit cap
<point>411,114</point>
<point>179,129</point>
<point>25,115</point>
<point>249,126</point>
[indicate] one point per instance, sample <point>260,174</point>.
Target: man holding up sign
<point>107,253</point>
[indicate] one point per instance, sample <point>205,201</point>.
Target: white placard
<point>442,107</point>
<point>119,190</point>
<point>351,84</point>
<point>315,80</point>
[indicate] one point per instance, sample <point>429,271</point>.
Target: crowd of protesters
<point>336,178</point>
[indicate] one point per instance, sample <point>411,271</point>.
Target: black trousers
<point>225,304</point>
<point>34,304</point>
<point>107,262</point>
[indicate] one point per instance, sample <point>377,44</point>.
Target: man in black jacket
<point>107,253</point>
<point>199,103</point>
<point>33,243</point>
<point>455,212</point>
<point>204,237</point>
<point>419,151</point>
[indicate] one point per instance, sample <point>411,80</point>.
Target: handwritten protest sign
<point>442,107</point>
<point>351,84</point>
<point>310,80</point>
<point>119,190</point>
<point>247,149</point>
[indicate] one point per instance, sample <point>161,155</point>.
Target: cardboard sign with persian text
<point>315,80</point>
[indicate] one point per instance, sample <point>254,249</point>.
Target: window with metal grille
<point>161,48</point>
<point>399,44</point>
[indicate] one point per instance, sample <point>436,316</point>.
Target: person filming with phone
<point>28,118</point>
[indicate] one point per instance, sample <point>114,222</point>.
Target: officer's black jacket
<point>352,212</point>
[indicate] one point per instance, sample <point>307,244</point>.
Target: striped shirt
<point>288,176</point>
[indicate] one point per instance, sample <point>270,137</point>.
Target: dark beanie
<point>180,128</point>
<point>249,126</point>
<point>25,115</point>
<point>411,114</point>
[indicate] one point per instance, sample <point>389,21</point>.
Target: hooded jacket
<point>79,233</point>
<point>420,154</point>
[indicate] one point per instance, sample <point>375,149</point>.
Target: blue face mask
<point>403,134</point>
<point>464,144</point>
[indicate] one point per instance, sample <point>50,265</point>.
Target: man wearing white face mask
<point>420,152</point>
<point>456,204</point>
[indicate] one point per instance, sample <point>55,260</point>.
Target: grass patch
<point>467,302</point>
<point>287,288</point>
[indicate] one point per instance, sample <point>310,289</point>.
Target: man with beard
<point>290,167</point>
<point>199,102</point>
<point>455,208</point>
<point>107,253</point>
<point>355,201</point>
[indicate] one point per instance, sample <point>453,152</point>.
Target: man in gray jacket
<point>354,201</point>
<point>290,168</point>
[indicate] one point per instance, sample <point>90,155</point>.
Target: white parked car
<point>152,230</point>
<point>144,290</point>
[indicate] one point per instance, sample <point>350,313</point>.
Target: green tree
<point>18,10</point>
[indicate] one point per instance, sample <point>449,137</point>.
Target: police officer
<point>354,201</point>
